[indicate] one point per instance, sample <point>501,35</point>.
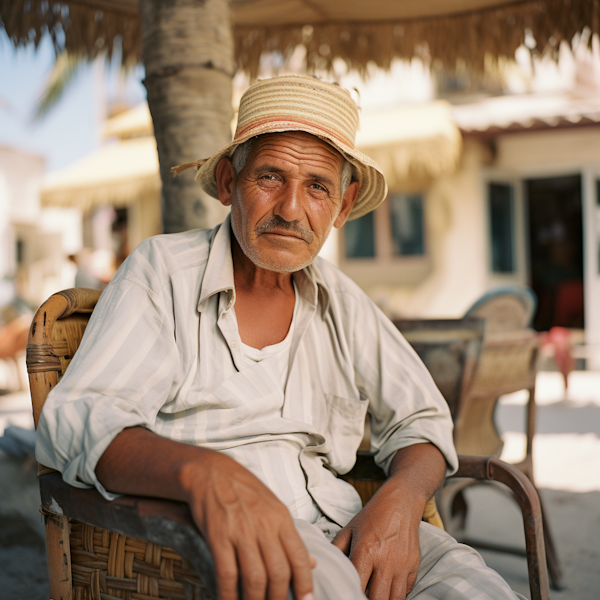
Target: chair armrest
<point>154,520</point>
<point>493,469</point>
<point>170,523</point>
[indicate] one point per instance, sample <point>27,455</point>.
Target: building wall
<point>457,224</point>
<point>555,151</point>
<point>44,237</point>
<point>456,242</point>
<point>564,152</point>
<point>20,182</point>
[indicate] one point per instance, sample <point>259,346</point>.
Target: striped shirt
<point>162,350</point>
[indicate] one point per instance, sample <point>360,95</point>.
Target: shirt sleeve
<point>122,374</point>
<point>405,405</point>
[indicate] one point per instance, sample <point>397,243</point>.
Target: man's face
<point>286,199</point>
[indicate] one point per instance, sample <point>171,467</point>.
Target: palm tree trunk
<point>188,55</point>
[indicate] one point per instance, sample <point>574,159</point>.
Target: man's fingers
<point>226,571</point>
<point>279,571</point>
<point>399,588</point>
<point>343,539</point>
<point>253,572</point>
<point>363,563</point>
<point>410,581</point>
<point>380,585</point>
<point>300,563</point>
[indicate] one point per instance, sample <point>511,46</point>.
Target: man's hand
<point>251,533</point>
<point>382,540</point>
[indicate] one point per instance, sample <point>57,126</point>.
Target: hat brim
<point>372,188</point>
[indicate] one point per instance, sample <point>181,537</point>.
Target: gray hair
<point>240,156</point>
<point>242,152</point>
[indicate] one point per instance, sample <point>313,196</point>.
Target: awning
<point>117,173</point>
<point>526,112</point>
<point>413,143</point>
<point>130,123</point>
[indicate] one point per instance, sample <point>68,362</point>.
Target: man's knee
<point>334,577</point>
<point>450,570</point>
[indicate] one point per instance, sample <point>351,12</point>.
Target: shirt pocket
<point>345,430</point>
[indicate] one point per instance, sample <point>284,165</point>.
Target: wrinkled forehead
<point>298,144</point>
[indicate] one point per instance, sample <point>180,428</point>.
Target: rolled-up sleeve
<point>405,406</point>
<point>122,374</point>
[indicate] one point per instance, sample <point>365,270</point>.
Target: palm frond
<point>66,67</point>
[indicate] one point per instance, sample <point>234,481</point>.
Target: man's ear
<point>347,203</point>
<point>226,179</point>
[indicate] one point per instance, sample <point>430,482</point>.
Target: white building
<point>522,207</point>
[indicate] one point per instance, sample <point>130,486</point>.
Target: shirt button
<point>233,344</point>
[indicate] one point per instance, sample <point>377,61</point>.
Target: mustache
<point>278,223</point>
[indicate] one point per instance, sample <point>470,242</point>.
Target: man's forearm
<point>419,468</point>
<point>250,532</point>
<point>143,463</point>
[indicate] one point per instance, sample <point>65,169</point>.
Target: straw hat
<point>294,103</point>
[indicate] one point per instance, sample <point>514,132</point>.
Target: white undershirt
<point>278,460</point>
<point>281,349</point>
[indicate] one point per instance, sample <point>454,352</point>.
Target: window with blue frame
<point>401,225</point>
<point>406,223</point>
<point>359,236</point>
<point>501,216</point>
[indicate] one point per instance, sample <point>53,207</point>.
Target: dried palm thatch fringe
<point>464,38</point>
<point>83,29</point>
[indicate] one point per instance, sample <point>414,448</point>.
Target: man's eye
<point>318,186</point>
<point>268,177</point>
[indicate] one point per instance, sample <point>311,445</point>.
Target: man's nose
<point>290,205</point>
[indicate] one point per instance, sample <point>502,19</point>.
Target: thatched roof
<point>355,30</point>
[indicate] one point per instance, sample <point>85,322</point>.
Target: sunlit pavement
<point>567,471</point>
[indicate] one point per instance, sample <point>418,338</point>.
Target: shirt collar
<point>218,276</point>
<point>311,286</point>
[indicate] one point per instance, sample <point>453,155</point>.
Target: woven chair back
<point>104,564</point>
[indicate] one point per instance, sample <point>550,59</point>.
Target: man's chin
<point>280,266</point>
<point>280,262</point>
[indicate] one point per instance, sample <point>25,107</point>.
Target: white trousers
<point>448,570</point>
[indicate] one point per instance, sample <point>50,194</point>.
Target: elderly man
<point>233,368</point>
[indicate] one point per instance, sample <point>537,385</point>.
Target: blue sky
<point>72,129</point>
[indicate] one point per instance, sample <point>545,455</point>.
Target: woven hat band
<point>289,123</point>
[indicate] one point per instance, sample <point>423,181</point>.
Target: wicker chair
<point>508,363</point>
<point>451,351</point>
<point>147,548</point>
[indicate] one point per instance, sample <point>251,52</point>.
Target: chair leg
<point>58,551</point>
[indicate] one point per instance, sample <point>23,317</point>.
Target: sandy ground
<point>567,471</point>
